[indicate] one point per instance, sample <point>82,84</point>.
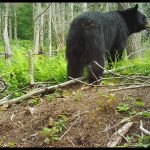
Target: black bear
<point>92,35</point>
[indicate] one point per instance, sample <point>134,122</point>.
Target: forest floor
<point>83,113</point>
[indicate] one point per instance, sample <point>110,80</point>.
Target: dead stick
<point>117,137</point>
<point>132,87</point>
<point>143,130</point>
<point>139,113</point>
<point>69,128</point>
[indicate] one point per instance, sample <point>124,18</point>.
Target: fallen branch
<point>143,130</point>
<point>131,87</point>
<point>71,141</point>
<point>69,128</point>
<point>117,137</point>
<point>41,91</point>
<point>6,98</point>
<point>127,119</point>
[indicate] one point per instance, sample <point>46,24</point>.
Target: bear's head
<point>135,20</point>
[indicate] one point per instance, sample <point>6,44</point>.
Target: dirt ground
<point>89,113</point>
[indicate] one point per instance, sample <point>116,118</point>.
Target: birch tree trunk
<point>71,7</point>
<point>0,23</point>
<point>84,7</point>
<point>107,6</point>
<point>50,31</point>
<point>41,47</point>
<point>5,30</point>
<point>10,28</point>
<point>62,24</point>
<point>55,24</point>
<point>15,23</point>
<point>37,8</point>
<point>134,41</point>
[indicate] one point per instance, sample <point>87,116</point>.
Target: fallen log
<point>117,137</point>
<point>41,91</point>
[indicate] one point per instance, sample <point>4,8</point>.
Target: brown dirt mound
<point>90,112</point>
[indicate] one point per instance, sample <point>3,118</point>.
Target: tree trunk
<point>15,23</point>
<point>36,27</point>
<point>107,6</point>
<point>56,25</point>
<point>71,7</point>
<point>134,41</point>
<point>62,24</point>
<point>84,7</point>
<point>50,31</point>
<point>41,47</point>
<point>5,30</point>
<point>10,28</point>
<point>0,24</point>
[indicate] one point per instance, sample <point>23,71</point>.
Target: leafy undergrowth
<point>16,71</point>
<point>78,116</point>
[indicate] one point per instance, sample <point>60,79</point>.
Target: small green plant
<point>77,96</point>
<point>67,92</point>
<point>146,114</point>
<point>136,141</point>
<point>138,102</point>
<point>11,144</point>
<point>108,100</point>
<point>51,134</point>
<point>50,97</point>
<point>33,101</point>
<point>123,107</point>
<point>61,122</point>
<point>58,92</point>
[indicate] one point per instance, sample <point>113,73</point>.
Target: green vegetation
<point>16,75</point>
<point>139,65</point>
<point>51,133</point>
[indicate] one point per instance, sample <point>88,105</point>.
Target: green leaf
<point>146,114</point>
<point>123,107</point>
<point>139,103</point>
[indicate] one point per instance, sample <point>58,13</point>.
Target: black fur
<point>92,35</point>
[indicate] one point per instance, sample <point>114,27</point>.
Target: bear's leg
<point>74,68</point>
<point>95,71</point>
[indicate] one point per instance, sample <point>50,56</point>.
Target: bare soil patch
<point>91,111</point>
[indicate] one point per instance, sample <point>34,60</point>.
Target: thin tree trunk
<point>84,7</point>
<point>58,26</point>
<point>55,25</point>
<point>5,30</point>
<point>71,7</point>
<point>0,23</point>
<point>50,31</point>
<point>10,28</point>
<point>62,27</point>
<point>36,28</point>
<point>15,23</point>
<point>107,6</point>
<point>41,47</point>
